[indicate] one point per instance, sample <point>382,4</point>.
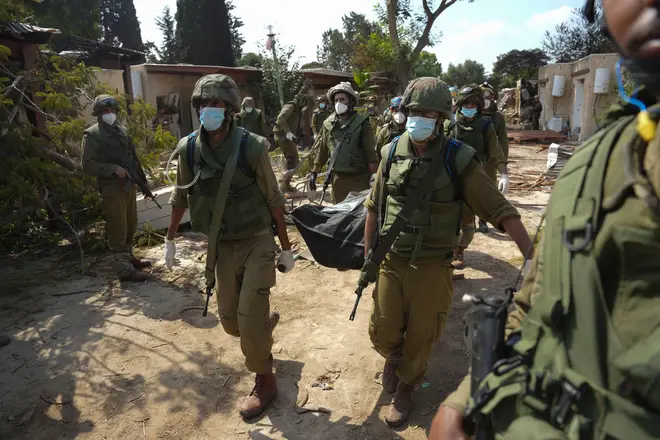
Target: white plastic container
<point>555,124</point>
<point>602,80</point>
<point>558,85</point>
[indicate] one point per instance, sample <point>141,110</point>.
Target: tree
<point>251,59</point>
<point>577,38</point>
<point>203,32</point>
<point>71,17</point>
<point>167,50</point>
<point>338,48</point>
<point>416,27</point>
<point>235,25</point>
<point>312,65</point>
<point>427,65</point>
<point>516,64</point>
<point>292,79</point>
<point>467,73</point>
<point>119,24</point>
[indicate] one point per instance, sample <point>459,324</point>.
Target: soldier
<point>251,118</point>
<point>286,132</point>
<point>245,264</point>
<point>395,127</point>
<point>537,109</point>
<point>320,114</point>
<point>348,137</point>
<point>106,143</point>
<point>414,288</point>
<point>493,114</point>
<point>371,109</point>
<point>584,333</point>
<point>478,132</point>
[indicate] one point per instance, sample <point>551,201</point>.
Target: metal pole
<point>278,76</point>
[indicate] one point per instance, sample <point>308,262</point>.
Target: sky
<point>481,30</point>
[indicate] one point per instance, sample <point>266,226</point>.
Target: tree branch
<point>431,16</point>
<point>60,159</point>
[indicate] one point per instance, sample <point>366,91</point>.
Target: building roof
<point>196,69</point>
<point>85,48</point>
<point>326,72</point>
<point>26,33</point>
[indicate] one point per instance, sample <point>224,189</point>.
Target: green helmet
<point>104,101</point>
<point>218,87</point>
<point>431,94</point>
<point>468,92</point>
<point>343,87</point>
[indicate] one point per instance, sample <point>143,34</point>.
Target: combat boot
<point>390,379</point>
<point>459,258</point>
<point>483,227</point>
<point>401,406</point>
<point>264,392</point>
<point>139,264</point>
<point>136,276</point>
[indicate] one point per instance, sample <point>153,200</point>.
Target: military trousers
<point>119,209</point>
<point>344,183</point>
<point>409,312</point>
<point>290,152</point>
<point>245,273</point>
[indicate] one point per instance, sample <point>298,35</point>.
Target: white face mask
<point>248,109</point>
<point>109,118</point>
<point>487,103</point>
<point>341,108</point>
<point>399,118</point>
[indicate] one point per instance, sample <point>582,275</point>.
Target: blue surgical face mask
<point>322,105</point>
<point>469,112</point>
<point>212,118</point>
<point>420,129</point>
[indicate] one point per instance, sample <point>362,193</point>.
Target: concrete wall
<point>593,106</point>
<point>113,79</point>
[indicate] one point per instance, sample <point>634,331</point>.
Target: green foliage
<point>72,17</point>
<point>235,25</point>
<point>251,59</point>
<point>517,64</point>
<point>119,24</point>
<point>577,38</point>
<point>466,73</point>
<point>203,33</point>
<point>361,80</point>
<point>375,54</point>
<point>313,65</point>
<point>427,65</point>
<point>292,79</point>
<point>166,54</point>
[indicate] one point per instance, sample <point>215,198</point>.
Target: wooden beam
<point>580,72</point>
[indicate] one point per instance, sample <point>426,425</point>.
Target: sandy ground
<point>94,359</point>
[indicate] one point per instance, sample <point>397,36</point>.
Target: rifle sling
<point>412,202</point>
<point>218,211</point>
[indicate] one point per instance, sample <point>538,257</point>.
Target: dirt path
<point>91,360</point>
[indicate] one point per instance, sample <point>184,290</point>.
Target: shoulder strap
<point>190,151</point>
<point>244,163</point>
<point>219,209</point>
<point>450,162</point>
<point>390,158</point>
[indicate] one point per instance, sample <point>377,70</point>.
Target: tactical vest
<point>246,211</point>
<point>319,118</point>
<point>250,121</point>
<point>346,135</point>
<point>587,366</point>
<point>435,226</point>
<point>115,145</point>
<point>474,135</point>
<point>293,122</point>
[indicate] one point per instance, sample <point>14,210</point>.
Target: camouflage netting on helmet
<point>343,87</point>
<point>217,87</point>
<point>488,91</point>
<point>470,92</point>
<point>248,101</point>
<point>321,98</point>
<point>430,94</point>
<point>104,101</point>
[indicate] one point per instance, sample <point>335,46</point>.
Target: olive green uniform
<point>288,121</point>
<point>358,150</point>
<point>411,302</point>
<point>600,335</point>
<point>102,147</point>
<point>318,118</point>
<point>480,134</point>
<point>253,122</point>
<point>386,134</point>
<point>245,268</point>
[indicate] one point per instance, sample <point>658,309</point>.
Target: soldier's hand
<point>503,184</point>
<point>447,425</point>
<point>290,136</point>
<point>120,172</point>
<point>285,263</point>
<point>170,252</point>
<point>312,181</point>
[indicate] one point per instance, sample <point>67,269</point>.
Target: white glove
<point>527,266</point>
<point>285,263</point>
<point>314,137</point>
<point>503,185</point>
<point>290,136</point>
<point>170,251</point>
